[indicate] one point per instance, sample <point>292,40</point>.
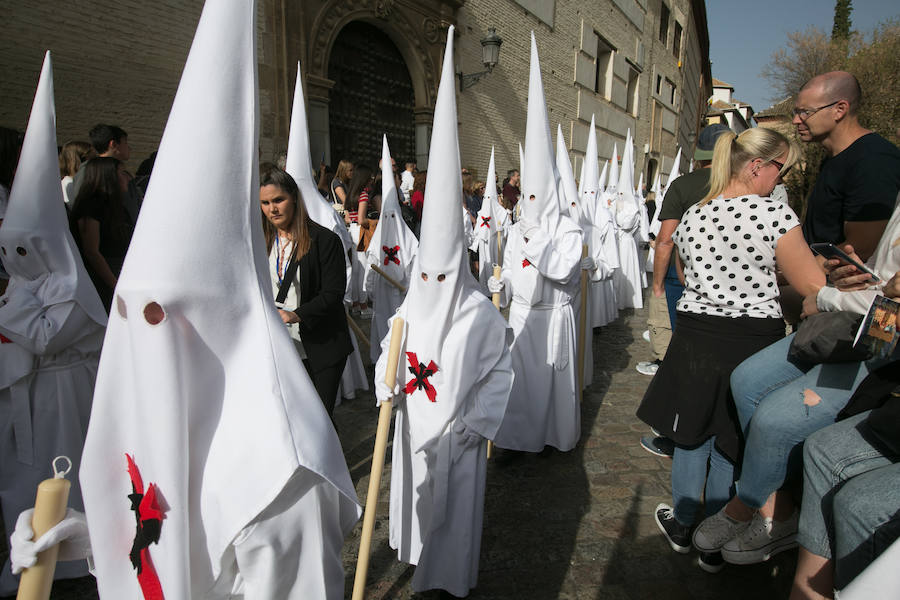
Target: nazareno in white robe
<point>59,346</point>
<point>439,453</point>
<point>605,251</point>
<point>628,278</point>
<point>543,407</point>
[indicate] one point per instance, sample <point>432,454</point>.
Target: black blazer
<point>323,278</point>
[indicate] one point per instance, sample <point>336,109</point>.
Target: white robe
<point>544,408</point>
<point>386,298</point>
<point>300,532</point>
<point>605,252</point>
<point>59,348</point>
<point>485,244</point>
<point>354,376</point>
<point>630,279</point>
<point>438,481</point>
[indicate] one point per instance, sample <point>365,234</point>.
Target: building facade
<point>372,67</point>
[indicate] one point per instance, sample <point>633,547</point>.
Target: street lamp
<point>490,56</point>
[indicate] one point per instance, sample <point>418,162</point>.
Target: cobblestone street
<point>567,526</point>
<point>576,525</point>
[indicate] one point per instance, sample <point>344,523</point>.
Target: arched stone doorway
<point>372,95</point>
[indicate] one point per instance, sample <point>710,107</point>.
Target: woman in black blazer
<point>306,262</point>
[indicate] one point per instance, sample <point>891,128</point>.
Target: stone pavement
<point>576,525</point>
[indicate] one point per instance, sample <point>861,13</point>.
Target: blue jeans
<point>851,498</point>
<point>689,473</point>
<point>779,403</point>
<point>674,289</point>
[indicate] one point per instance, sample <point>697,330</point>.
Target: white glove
<point>383,392</point>
<point>495,286</point>
<point>527,227</point>
<point>71,534</point>
<point>588,264</point>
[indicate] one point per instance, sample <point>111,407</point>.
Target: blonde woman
<point>729,246</point>
<point>71,157</point>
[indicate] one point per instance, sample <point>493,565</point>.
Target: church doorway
<point>372,95</point>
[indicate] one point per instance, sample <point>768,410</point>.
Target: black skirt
<point>689,399</point>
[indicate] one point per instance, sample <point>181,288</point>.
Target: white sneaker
<point>716,531</point>
<point>646,335</point>
<point>648,367</point>
<point>763,539</point>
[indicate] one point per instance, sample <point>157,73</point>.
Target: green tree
<point>873,59</point>
<point>841,28</point>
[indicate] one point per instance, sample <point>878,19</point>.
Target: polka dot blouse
<point>728,250</point>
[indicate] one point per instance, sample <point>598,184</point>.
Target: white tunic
<point>439,453</point>
<point>544,408</point>
<point>49,358</point>
<point>628,279</point>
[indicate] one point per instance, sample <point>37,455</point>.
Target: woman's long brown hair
<point>299,224</point>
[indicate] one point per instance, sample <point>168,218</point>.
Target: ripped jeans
<point>779,403</point>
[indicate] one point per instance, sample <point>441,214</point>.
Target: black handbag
<point>828,338</point>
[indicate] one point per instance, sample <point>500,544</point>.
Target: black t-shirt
<point>859,184</point>
<point>684,192</point>
<point>115,228</point>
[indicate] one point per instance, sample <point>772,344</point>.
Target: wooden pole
<point>381,438</point>
<point>49,509</point>
<point>495,298</point>
<point>582,320</point>
<point>356,329</point>
<point>389,279</point>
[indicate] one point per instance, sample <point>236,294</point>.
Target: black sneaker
<point>660,446</point>
<point>678,535</point>
<point>711,562</point>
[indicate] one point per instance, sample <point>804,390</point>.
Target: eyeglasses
<point>780,166</point>
<point>805,113</point>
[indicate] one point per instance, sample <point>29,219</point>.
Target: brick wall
<point>113,62</point>
<point>493,111</point>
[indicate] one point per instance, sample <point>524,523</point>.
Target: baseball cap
<point>707,140</point>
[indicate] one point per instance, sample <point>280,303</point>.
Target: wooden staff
<point>381,438</point>
<point>49,509</point>
<point>356,329</point>
<point>389,279</point>
<point>582,320</point>
<point>495,298</point>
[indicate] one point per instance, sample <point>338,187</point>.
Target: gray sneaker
<point>763,539</point>
<point>716,531</point>
<point>648,367</point>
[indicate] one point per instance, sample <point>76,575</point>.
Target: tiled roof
<point>720,83</point>
<point>779,109</point>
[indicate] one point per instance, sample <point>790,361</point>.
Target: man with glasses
<point>854,194</point>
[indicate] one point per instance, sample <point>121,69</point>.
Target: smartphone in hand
<point>829,250</point>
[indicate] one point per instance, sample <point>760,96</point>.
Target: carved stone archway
<point>417,28</point>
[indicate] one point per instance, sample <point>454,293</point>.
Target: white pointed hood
<point>590,175</point>
<point>570,199</point>
<point>624,190</point>
<point>675,172</point>
<point>521,164</point>
<point>212,400</point>
<point>440,276</point>
<point>393,245</point>
<point>656,184</point>
<point>491,216</point>
<point>540,179</point>
<point>298,165</point>
<point>639,188</point>
<point>613,169</point>
<point>35,239</point>
<point>604,176</point>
